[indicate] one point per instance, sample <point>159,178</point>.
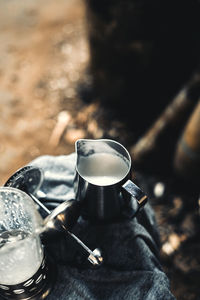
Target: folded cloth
<point>131,268</point>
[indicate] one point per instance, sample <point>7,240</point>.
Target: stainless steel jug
<point>103,183</point>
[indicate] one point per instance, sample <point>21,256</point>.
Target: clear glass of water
<point>21,251</point>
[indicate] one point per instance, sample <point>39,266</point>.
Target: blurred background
<point>125,70</point>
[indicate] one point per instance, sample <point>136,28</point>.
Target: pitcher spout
<point>80,145</point>
<point>85,147</point>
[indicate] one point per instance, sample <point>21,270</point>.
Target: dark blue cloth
<point>131,269</point>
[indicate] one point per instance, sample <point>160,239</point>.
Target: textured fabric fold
<point>131,269</point>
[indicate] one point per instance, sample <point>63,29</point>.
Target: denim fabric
<point>131,268</point>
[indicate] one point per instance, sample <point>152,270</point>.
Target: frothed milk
<point>20,258</point>
<point>103,168</point>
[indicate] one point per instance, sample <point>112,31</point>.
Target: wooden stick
<point>174,115</point>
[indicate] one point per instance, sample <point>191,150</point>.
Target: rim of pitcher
<point>106,140</point>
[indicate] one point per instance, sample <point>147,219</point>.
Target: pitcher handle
<point>138,198</point>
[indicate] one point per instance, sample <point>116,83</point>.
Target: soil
<point>44,57</point>
<point>43,50</point>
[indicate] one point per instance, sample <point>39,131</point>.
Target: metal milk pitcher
<point>102,182</point>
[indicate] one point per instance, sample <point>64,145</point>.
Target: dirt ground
<point>43,58</point>
<point>43,51</point>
